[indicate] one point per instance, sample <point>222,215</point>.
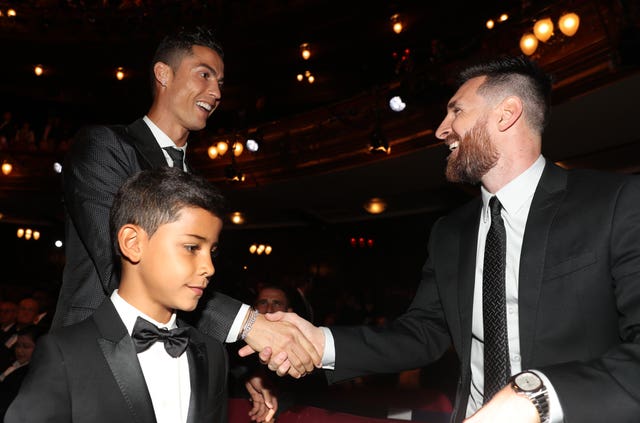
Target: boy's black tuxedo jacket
<point>89,372</point>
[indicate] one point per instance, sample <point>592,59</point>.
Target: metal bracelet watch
<point>529,384</point>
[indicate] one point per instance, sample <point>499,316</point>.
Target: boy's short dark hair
<point>154,197</point>
<point>175,46</point>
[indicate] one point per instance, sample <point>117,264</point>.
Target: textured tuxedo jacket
<point>100,160</point>
<point>579,298</point>
<point>89,372</point>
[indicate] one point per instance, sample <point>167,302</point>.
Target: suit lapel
<point>546,201</point>
<point>198,375</point>
<point>149,153</point>
<point>467,268</point>
<point>118,350</point>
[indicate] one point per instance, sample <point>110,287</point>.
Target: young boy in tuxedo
<point>131,361</point>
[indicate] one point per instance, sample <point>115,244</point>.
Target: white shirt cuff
<point>236,327</point>
<point>556,415</point>
<point>329,353</point>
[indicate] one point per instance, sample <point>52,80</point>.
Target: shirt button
<point>516,357</point>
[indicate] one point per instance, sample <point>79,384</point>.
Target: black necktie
<point>497,367</point>
<point>177,156</point>
<point>146,334</point>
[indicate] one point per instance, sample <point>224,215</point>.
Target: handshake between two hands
<point>286,343</point>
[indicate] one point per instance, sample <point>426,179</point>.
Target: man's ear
<point>509,110</point>
<point>162,73</point>
<point>131,240</point>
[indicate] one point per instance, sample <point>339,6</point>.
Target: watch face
<point>528,382</point>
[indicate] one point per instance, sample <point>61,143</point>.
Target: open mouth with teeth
<point>204,106</point>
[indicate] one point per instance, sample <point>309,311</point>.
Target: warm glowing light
<point>260,249</point>
<point>375,206</point>
<point>569,23</point>
<point>237,148</point>
<point>7,168</point>
<point>503,17</point>
<point>268,249</point>
<point>253,248</point>
<point>304,51</point>
<point>300,77</point>
<point>490,24</point>
<point>27,234</point>
<point>36,235</point>
<point>311,79</point>
<point>20,233</point>
<point>38,70</point>
<point>11,13</point>
<point>120,74</point>
<point>237,218</point>
<point>222,147</point>
<point>528,44</point>
<point>543,29</point>
<point>396,24</point>
<point>212,152</point>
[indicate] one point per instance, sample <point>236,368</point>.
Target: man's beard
<point>474,157</point>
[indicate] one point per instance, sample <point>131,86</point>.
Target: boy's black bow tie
<point>146,334</point>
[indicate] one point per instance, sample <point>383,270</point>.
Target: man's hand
<point>292,352</point>
<point>263,400</point>
<point>506,407</point>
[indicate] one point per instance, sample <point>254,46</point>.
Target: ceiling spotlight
<point>378,142</point>
<point>222,147</point>
<point>237,148</point>
<point>11,13</point>
<point>569,23</point>
<point>237,218</point>
<point>490,24</point>
<point>396,24</point>
<point>212,151</point>
<point>543,29</point>
<point>57,167</point>
<point>503,17</point>
<point>58,243</point>
<point>304,51</point>
<point>120,74</point>
<point>6,167</point>
<point>300,77</point>
<point>311,79</point>
<point>38,70</point>
<point>528,44</point>
<point>396,104</point>
<point>252,145</point>
<point>375,206</point>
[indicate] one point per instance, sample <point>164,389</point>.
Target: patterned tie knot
<point>495,207</point>
<point>177,156</point>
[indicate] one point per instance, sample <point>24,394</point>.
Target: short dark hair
<point>154,197</point>
<point>515,76</point>
<point>175,46</point>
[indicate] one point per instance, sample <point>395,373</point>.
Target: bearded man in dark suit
<point>570,306</point>
<point>187,76</point>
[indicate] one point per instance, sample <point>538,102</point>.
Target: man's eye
<point>205,75</point>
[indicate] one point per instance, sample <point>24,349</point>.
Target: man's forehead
<point>466,91</point>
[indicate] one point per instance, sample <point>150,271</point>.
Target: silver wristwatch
<point>530,385</point>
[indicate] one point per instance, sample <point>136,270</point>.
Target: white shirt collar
<point>162,139</point>
<point>516,193</point>
<point>129,314</point>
